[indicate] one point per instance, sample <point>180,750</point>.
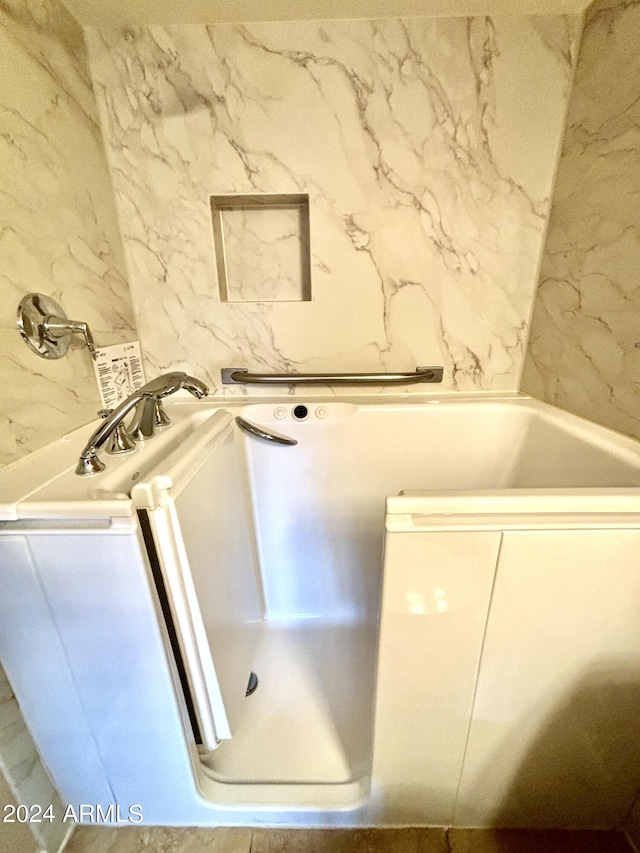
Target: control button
<point>322,412</point>
<point>280,413</point>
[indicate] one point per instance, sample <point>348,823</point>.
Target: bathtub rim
<point>513,509</point>
<point>43,484</point>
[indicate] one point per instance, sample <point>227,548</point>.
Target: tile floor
<point>239,840</point>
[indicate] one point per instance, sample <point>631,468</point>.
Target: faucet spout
<point>164,385</point>
<point>195,387</point>
<point>149,415</point>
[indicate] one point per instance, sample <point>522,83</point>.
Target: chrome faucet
<point>149,415</point>
<point>150,412</point>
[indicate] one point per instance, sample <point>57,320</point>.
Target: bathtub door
<point>193,516</point>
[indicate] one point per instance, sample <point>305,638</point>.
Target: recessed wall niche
<point>262,247</point>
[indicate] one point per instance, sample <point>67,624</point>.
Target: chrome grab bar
<point>260,432</point>
<point>241,376</point>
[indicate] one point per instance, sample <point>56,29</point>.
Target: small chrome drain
<point>253,683</point>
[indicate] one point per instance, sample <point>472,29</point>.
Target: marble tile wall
<point>427,148</point>
<point>58,236</point>
<point>15,837</point>
<point>584,349</point>
<point>26,780</point>
<point>58,227</point>
<point>407,840</point>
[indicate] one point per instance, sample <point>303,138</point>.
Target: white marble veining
<point>427,148</point>
<point>263,251</point>
<point>58,229</point>
<point>584,351</point>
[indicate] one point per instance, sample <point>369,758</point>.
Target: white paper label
<point>118,372</point>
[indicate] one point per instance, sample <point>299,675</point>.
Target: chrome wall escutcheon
<point>46,328</point>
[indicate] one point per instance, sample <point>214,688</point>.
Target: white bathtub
<point>502,688</point>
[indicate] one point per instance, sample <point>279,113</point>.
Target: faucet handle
<point>120,441</point>
<point>149,416</point>
<point>59,327</point>
<point>160,417</point>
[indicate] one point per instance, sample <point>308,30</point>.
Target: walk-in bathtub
<point>440,601</point>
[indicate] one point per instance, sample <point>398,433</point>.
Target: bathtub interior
<point>318,515</point>
<point>295,540</point>
<point>550,455</point>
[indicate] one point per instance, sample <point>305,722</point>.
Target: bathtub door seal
<point>203,694</point>
<point>165,607</point>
